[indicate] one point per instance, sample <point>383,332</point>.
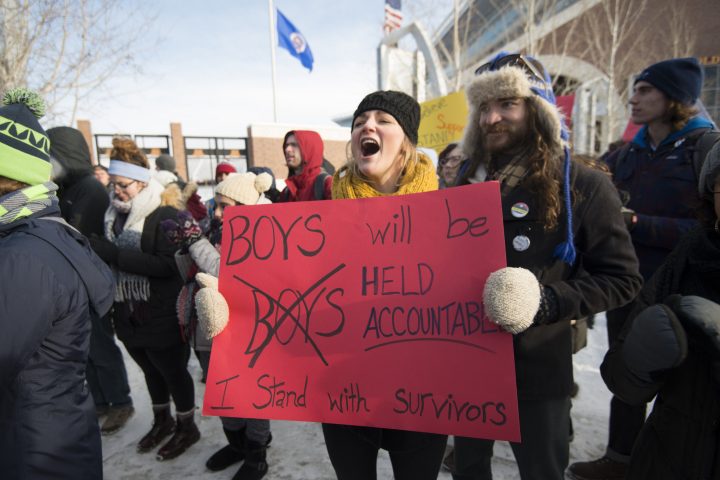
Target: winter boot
<point>231,453</point>
<point>117,417</point>
<point>255,466</point>
<point>163,425</point>
<point>186,433</point>
<point>604,468</point>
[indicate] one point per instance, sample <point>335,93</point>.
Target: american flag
<point>393,15</point>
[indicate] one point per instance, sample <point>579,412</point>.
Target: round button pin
<point>519,210</point>
<point>521,243</point>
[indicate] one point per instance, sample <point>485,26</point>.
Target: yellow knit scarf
<point>417,177</point>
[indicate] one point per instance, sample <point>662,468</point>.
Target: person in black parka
<point>670,349</point>
<point>148,284</point>
<point>51,283</point>
<point>83,201</point>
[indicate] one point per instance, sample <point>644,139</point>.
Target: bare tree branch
<point>68,50</point>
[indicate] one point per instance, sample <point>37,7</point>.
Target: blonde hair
<point>408,155</point>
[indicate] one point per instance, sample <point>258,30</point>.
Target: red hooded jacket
<point>301,187</point>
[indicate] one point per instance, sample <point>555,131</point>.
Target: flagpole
<point>272,55</point>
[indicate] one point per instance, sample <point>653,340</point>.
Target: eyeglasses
<point>122,186</point>
<point>454,159</point>
<point>513,60</point>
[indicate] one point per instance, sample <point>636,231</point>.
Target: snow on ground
<point>298,451</point>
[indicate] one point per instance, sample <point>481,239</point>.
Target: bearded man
<point>564,229</point>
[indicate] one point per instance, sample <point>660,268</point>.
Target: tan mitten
<point>212,309</point>
<point>512,298</point>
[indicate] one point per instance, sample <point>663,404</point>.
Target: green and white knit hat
<point>24,145</point>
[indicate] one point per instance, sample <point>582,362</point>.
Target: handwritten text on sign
<point>366,312</point>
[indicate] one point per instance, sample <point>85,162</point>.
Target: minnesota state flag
<point>290,38</point>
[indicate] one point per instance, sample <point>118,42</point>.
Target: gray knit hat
<point>709,172</point>
<point>165,162</point>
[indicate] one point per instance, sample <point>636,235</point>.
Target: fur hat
<point>165,162</point>
<point>680,79</point>
<point>246,188</point>
<point>503,80</point>
<point>709,172</point>
<point>24,145</point>
<point>400,105</point>
<point>509,82</point>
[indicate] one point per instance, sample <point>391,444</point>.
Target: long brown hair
<point>544,164</point>
<point>126,150</point>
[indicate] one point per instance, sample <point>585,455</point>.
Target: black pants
<point>106,374</point>
<point>353,452</point>
<point>543,454</point>
<point>626,420</point>
<point>166,374</point>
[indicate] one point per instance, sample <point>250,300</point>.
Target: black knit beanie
<point>680,79</point>
<point>401,106</point>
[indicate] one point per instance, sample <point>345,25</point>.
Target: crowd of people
<point>91,253</point>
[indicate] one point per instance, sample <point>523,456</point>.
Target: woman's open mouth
<point>369,147</point>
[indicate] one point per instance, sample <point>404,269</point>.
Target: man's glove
<point>656,342</point>
<point>512,298</point>
<point>212,309</point>
<point>182,232</point>
<point>630,218</point>
<point>105,249</point>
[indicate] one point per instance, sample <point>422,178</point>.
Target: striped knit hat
<point>24,145</point>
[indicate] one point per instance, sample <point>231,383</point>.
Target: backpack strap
<point>319,185</point>
<point>622,154</point>
<point>703,143</point>
<point>42,237</point>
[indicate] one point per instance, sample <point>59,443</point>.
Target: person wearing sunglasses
<point>147,286</point>
<point>565,239</point>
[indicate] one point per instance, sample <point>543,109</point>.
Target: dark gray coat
<point>48,427</point>
<point>681,437</point>
<point>151,324</point>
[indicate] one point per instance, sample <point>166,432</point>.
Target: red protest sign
<point>366,312</point>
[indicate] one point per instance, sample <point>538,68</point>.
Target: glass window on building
<point>711,92</point>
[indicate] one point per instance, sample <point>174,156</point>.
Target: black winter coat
<point>604,276</point>
<point>48,427</point>
<point>83,205</point>
<point>681,437</point>
<point>154,323</point>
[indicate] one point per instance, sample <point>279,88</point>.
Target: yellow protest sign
<point>442,121</point>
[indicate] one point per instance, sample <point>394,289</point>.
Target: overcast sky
<point>211,68</point>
